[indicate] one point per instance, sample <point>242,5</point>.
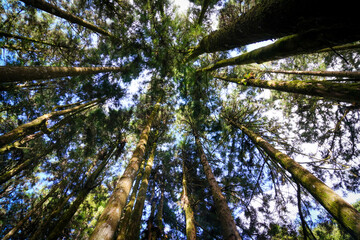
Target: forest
<point>161,119</point>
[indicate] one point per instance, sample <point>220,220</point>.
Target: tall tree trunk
<point>104,155</point>
<point>39,124</point>
<point>275,19</point>
<point>189,213</point>
<point>342,211</point>
<point>159,215</point>
<point>9,35</point>
<point>302,43</point>
<point>228,225</point>
<point>106,226</point>
<point>54,10</point>
<point>135,222</point>
<point>23,74</point>
<point>31,212</point>
<point>345,74</point>
<point>125,220</point>
<point>349,92</point>
<point>150,222</point>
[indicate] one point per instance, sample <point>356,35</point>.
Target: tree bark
<point>228,225</point>
<point>302,43</point>
<point>342,211</point>
<point>125,221</point>
<point>104,155</point>
<point>106,226</point>
<point>349,92</point>
<point>275,19</point>
<point>315,73</point>
<point>54,10</point>
<point>134,227</point>
<point>39,124</point>
<point>23,74</point>
<point>189,213</point>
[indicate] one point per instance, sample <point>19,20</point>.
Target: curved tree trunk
<point>302,43</point>
<point>228,225</point>
<point>104,155</point>
<point>275,19</point>
<point>108,222</point>
<point>349,92</point>
<point>23,74</point>
<point>134,227</point>
<point>54,10</point>
<point>342,211</point>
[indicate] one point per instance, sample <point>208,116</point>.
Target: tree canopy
<point>128,119</point>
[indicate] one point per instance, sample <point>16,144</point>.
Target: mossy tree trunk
<point>39,124</point>
<point>23,74</point>
<point>296,44</point>
<point>126,216</point>
<point>342,211</point>
<point>345,74</point>
<point>275,19</point>
<point>108,222</point>
<point>104,157</point>
<point>228,225</point>
<point>349,92</point>
<point>54,10</point>
<point>135,222</point>
<point>185,202</point>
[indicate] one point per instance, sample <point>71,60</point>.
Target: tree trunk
<point>106,226</point>
<point>104,155</point>
<point>30,213</point>
<point>315,73</point>
<point>159,216</point>
<point>54,10</point>
<point>31,137</point>
<point>189,213</point>
<point>228,225</point>
<point>342,211</point>
<point>150,222</point>
<point>275,19</point>
<point>39,124</point>
<point>303,43</point>
<point>134,227</point>
<point>125,221</point>
<point>349,92</point>
<point>23,74</point>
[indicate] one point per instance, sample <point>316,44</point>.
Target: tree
<point>112,213</point>
<point>338,208</point>
<point>327,90</point>
<point>99,98</point>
